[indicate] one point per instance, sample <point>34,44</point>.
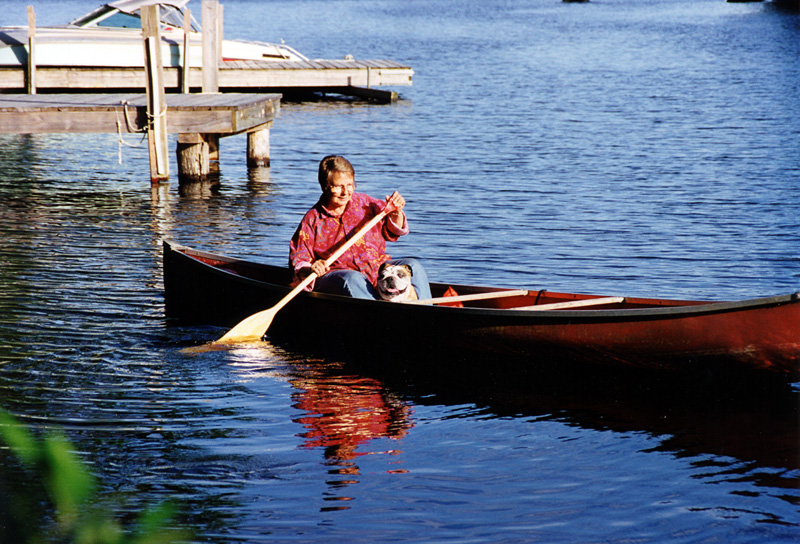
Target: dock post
<point>211,44</point>
<point>193,158</point>
<point>187,26</point>
<point>213,146</point>
<point>258,147</point>
<point>156,102</point>
<point>31,80</point>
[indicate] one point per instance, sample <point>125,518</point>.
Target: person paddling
<point>336,216</point>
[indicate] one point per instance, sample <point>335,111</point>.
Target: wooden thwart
<point>574,304</point>
<point>467,298</point>
<point>517,293</point>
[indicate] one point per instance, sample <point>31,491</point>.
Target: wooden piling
<point>193,158</point>
<point>213,146</point>
<point>211,44</point>
<point>156,103</point>
<point>187,27</point>
<point>258,147</point>
<point>30,78</point>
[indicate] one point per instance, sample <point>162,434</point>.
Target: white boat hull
<point>122,48</point>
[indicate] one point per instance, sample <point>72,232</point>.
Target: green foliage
<point>70,490</point>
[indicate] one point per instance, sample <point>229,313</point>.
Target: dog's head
<point>394,282</point>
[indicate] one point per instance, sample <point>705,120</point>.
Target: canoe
<point>111,35</point>
<point>536,326</point>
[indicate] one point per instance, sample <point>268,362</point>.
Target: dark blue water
<point>618,147</point>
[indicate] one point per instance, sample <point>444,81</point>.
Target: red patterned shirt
<point>320,234</point>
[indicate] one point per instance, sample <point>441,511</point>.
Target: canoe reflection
<point>753,427</point>
<point>344,412</point>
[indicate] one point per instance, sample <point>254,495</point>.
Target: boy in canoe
<point>336,216</point>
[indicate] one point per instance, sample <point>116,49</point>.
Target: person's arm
<point>396,224</point>
<point>319,267</point>
<point>302,257</point>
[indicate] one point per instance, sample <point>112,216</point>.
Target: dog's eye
<point>402,274</point>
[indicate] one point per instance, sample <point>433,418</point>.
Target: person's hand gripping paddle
<point>253,328</point>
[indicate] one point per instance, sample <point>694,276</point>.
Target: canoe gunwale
<point>691,309</point>
<point>700,338</point>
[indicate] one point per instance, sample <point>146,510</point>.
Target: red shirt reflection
<point>344,412</point>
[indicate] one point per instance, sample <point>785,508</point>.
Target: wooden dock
<point>346,77</point>
<point>198,119</point>
<point>63,99</point>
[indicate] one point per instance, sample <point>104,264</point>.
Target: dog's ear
<point>382,266</point>
<point>408,267</point>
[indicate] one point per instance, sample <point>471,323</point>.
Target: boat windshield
<point>109,17</point>
<point>120,20</point>
<point>172,16</point>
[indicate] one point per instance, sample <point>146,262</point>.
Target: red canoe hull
<point>759,334</point>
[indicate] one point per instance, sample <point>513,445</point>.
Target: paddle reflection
<point>342,414</point>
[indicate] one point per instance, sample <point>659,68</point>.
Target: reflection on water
<point>343,413</point>
<point>747,439</point>
<point>346,412</point>
<point>198,189</point>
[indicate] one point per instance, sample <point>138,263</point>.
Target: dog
<point>394,283</point>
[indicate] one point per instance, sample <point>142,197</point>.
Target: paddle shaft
<point>254,327</point>
<point>330,260</point>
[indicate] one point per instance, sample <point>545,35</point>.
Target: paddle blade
<point>250,329</point>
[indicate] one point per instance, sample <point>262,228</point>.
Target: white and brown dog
<point>394,283</point>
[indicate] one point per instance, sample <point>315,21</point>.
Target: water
<point>616,147</point>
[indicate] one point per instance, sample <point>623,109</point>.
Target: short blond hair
<point>331,164</point>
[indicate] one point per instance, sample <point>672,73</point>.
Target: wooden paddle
<point>252,328</point>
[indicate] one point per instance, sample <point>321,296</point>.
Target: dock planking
<point>222,114</point>
<point>345,76</point>
<point>199,119</point>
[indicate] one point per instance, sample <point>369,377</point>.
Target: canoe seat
<point>574,304</point>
